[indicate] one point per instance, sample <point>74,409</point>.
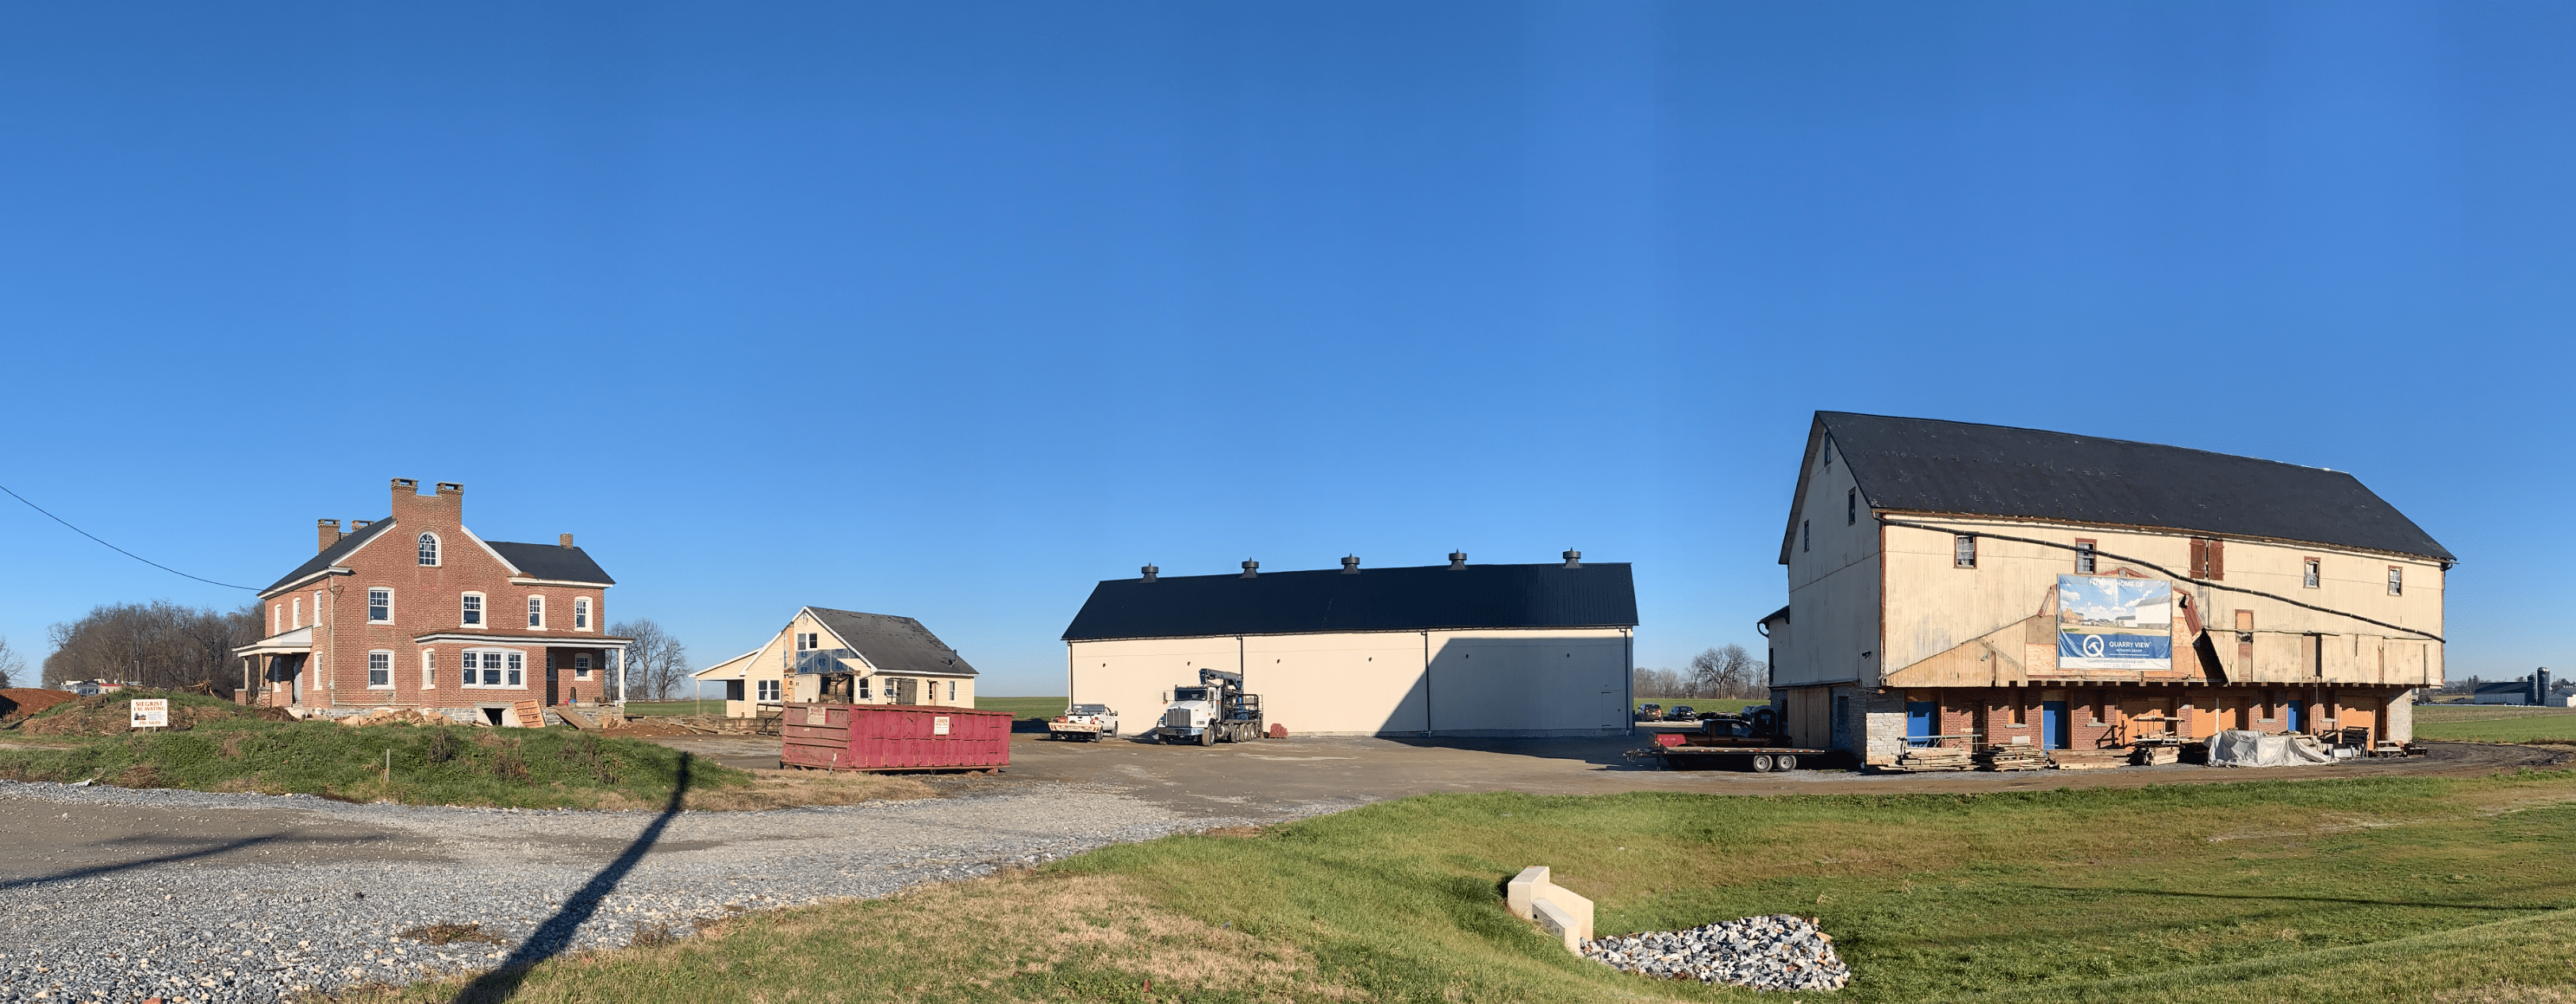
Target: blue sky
<point>952,309</point>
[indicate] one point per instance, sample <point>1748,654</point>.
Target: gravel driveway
<point>115,896</point>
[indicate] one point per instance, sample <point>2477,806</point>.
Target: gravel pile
<point>311,918</point>
<point>1778,952</point>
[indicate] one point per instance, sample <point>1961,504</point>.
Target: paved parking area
<point>1301,775</point>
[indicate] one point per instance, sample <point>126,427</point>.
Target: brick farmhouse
<point>416,611</point>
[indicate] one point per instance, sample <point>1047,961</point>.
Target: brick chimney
<point>428,512</point>
<point>563,540</point>
<point>328,532</point>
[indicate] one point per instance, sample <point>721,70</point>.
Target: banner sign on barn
<point>2110,622</point>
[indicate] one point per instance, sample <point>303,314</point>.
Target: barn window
<point>2310,575</point>
<point>1806,535</point>
<point>2084,557</point>
<point>1963,551</point>
<point>2396,581</point>
<point>1851,507</point>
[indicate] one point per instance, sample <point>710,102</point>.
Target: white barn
<point>1447,650</point>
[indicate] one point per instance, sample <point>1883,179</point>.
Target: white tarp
<point>2245,748</point>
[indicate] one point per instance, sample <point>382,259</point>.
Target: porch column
<point>621,678</point>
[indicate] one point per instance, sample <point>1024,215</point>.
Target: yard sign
<point>150,713</point>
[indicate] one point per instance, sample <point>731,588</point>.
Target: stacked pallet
<point>1933,758</point>
<point>2093,759</point>
<point>2017,757</point>
<point>2153,755</point>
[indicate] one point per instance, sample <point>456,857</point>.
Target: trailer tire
<point>1784,762</point>
<point>1761,763</point>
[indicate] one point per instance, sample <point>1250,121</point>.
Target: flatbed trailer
<point>1758,759</point>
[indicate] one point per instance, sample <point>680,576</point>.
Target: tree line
<point>1724,672</point>
<point>168,646</point>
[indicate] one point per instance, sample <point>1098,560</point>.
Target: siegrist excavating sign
<point>150,713</point>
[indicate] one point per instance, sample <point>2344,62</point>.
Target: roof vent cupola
<point>1573,559</point>
<point>1457,561</point>
<point>1351,565</point>
<point>1150,571</point>
<point>1251,569</point>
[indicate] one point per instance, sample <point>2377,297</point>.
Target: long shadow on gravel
<point>555,935</point>
<point>201,852</point>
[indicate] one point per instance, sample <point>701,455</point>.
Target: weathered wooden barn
<point>2007,586</point>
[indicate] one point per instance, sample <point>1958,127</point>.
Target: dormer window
<point>429,549</point>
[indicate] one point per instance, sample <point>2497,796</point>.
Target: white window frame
<point>807,641</point>
<point>430,550</point>
<point>428,669</point>
<point>388,592</point>
<point>482,609</point>
<point>767,691</point>
<point>581,665</point>
<point>501,664</point>
<point>380,664</point>
<point>317,608</point>
<point>581,613</point>
<point>952,690</point>
<point>2312,573</point>
<point>864,693</point>
<point>298,609</point>
<point>276,616</point>
<point>1963,551</point>
<point>536,612</point>
<point>2396,580</point>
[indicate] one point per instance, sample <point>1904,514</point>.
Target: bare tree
<point>158,644</point>
<point>1728,672</point>
<point>1659,683</point>
<point>657,665</point>
<point>11,664</point>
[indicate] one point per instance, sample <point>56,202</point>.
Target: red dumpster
<point>894,737</point>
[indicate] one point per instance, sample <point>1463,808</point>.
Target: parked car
<point>1650,712</point>
<point>1681,713</point>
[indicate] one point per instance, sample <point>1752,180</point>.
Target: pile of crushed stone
<point>1778,952</point>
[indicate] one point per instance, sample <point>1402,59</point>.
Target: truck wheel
<point>1761,763</point>
<point>1207,736</point>
<point>1785,762</point>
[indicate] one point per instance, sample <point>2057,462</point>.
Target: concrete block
<point>1559,925</point>
<point>1521,894</point>
<point>1576,909</point>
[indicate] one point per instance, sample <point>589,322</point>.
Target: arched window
<point>429,549</point>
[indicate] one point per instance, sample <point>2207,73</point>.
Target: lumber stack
<point>2093,759</point>
<point>2016,757</point>
<point>1932,758</point>
<point>2152,755</point>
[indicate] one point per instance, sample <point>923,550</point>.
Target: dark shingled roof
<point>1927,465</point>
<point>331,555</point>
<point>552,561</point>
<point>1430,597</point>
<point>542,561</point>
<point>893,644</point>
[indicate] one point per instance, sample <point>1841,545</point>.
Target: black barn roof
<point>1931,466</point>
<point>1432,597</point>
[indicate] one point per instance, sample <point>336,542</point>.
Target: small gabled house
<point>414,610</point>
<point>1972,585</point>
<point>845,656</point>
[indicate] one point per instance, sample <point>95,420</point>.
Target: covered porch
<point>273,669</point>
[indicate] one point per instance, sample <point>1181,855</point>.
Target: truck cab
<point>1216,710</point>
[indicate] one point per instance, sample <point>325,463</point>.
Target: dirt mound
<point>108,715</point>
<point>395,716</point>
<point>19,702</point>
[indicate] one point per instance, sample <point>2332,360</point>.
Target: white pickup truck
<point>1086,722</point>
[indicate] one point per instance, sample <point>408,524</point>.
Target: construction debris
<point>2159,753</point>
<point>2092,759</point>
<point>1925,759</point>
<point>1778,952</point>
<point>395,716</point>
<point>2014,757</point>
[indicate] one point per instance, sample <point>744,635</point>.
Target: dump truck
<point>1084,722</point>
<point>1217,710</point>
<point>1748,741</point>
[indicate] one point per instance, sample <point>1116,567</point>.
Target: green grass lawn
<point>2495,723</point>
<point>2383,889</point>
<point>1026,708</point>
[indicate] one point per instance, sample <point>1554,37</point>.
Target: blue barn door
<point>2290,715</point>
<point>2053,731</point>
<point>1922,718</point>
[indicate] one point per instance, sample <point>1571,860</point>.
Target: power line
<point>120,550</point>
